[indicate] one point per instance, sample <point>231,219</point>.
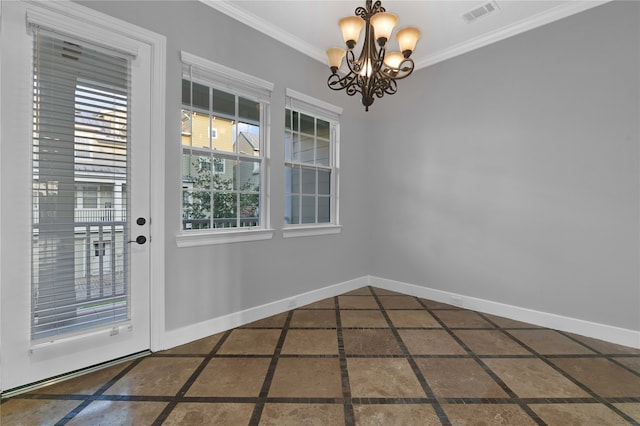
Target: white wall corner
<point>617,335</point>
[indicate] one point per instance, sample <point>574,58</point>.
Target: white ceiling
<point>310,26</point>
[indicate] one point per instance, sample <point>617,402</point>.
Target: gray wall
<point>207,282</point>
<point>511,172</point>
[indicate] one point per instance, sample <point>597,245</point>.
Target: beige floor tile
<point>302,414</point>
<point>155,376</point>
<point>307,378</point>
<point>400,302</point>
<point>485,414</point>
<point>532,378</point>
<point>577,414</point>
<point>204,413</point>
<point>509,323</point>
<point>370,342</point>
<point>632,363</point>
<point>251,342</point>
<point>631,409</point>
<point>412,318</point>
<point>383,378</point>
<point>362,291</point>
<point>606,347</point>
<point>357,302</point>
<point>458,378</point>
<point>490,342</point>
<point>121,413</point>
<point>601,376</point>
<point>462,319</point>
<point>40,412</point>
<point>87,384</point>
<point>231,377</point>
<point>363,318</point>
<point>432,304</point>
<point>311,342</point>
<point>430,342</point>
<point>199,347</point>
<point>306,318</point>
<point>328,303</point>
<point>274,321</point>
<point>395,414</point>
<point>549,342</point>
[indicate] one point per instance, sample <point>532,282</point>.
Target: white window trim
<point>293,231</point>
<point>245,85</point>
<point>321,109</point>
<point>196,239</point>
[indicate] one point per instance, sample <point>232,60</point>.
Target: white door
<point>75,106</point>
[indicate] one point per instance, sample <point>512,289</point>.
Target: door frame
<point>74,19</point>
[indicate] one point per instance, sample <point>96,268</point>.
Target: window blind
<point>80,140</point>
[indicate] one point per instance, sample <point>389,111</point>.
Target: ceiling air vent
<point>480,11</point>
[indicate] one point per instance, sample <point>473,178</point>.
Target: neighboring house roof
<point>252,139</point>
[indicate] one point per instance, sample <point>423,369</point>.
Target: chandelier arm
<point>348,83</point>
<point>404,70</point>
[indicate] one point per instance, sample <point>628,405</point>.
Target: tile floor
<point>369,357</point>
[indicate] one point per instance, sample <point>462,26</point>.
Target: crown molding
<point>543,18</point>
<point>535,21</point>
<point>267,28</point>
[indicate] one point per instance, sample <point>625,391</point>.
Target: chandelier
<point>375,71</point>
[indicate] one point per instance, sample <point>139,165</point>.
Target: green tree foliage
<point>206,184</point>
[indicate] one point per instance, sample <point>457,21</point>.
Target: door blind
<point>81,103</point>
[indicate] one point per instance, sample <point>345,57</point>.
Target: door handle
<point>140,239</point>
<point>141,221</point>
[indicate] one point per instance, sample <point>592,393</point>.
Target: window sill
<point>308,231</point>
<point>206,238</point>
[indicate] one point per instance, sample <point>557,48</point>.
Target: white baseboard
<point>621,336</point>
<point>203,329</point>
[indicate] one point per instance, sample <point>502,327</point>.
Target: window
<point>223,137</point>
<point>311,164</point>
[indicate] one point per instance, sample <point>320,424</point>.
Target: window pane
<point>306,149</point>
<point>308,181</point>
<point>248,139</point>
<point>324,209</point>
<point>224,103</point>
<point>287,119</point>
<point>249,176</point>
<point>291,209</point>
<point>322,152</point>
<point>295,117</point>
<point>249,210</point>
<point>225,210</point>
<point>200,96</point>
<point>323,128</point>
<point>196,171</point>
<point>186,92</point>
<point>248,109</point>
<point>307,124</point>
<point>224,181</point>
<point>308,209</point>
<point>324,182</point>
<point>224,129</point>
<point>200,130</point>
<point>296,147</point>
<point>196,210</point>
<point>288,142</point>
<point>295,180</point>
<point>186,127</point>
<point>289,179</point>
